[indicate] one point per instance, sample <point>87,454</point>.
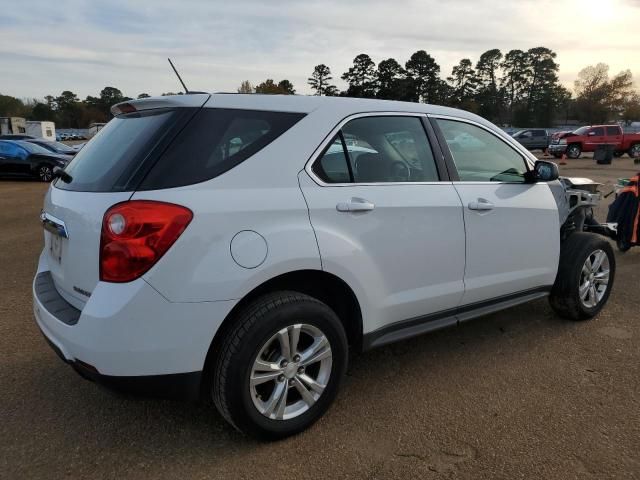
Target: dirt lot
<point>519,394</point>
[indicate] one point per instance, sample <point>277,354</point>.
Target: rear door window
<point>215,141</point>
<point>612,131</point>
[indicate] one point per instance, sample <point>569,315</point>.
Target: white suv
<point>235,247</point>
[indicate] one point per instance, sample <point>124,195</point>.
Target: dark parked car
<point>16,137</point>
<point>533,138</point>
<point>23,159</point>
<point>55,147</point>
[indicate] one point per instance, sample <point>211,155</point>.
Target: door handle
<point>481,205</point>
<point>355,205</point>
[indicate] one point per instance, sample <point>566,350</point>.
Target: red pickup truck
<point>587,139</point>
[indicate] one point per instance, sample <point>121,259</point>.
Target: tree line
<point>517,88</point>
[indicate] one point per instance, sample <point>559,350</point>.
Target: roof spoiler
<point>192,99</point>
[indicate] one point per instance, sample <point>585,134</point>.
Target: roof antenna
<point>178,75</point>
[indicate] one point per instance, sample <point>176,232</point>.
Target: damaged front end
<point>576,198</point>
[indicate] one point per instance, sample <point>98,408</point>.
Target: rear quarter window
<point>215,141</point>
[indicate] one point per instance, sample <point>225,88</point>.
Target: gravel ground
<point>519,394</point>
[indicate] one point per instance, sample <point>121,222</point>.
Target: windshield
<point>33,148</point>
<point>581,130</point>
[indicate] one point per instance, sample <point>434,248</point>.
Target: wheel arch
<point>325,286</point>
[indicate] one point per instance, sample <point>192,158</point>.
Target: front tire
<point>574,151</point>
<point>585,276</point>
<point>280,366</point>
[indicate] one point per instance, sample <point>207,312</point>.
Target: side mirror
<point>544,171</point>
<point>592,134</point>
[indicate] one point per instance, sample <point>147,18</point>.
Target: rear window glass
<point>108,162</point>
<point>215,141</point>
<point>613,131</point>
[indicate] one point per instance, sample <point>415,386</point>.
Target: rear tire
<point>259,345</point>
<point>579,292</point>
<point>45,173</point>
<point>574,151</point>
<point>634,151</point>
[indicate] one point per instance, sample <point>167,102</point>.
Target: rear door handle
<point>355,205</point>
<point>481,205</point>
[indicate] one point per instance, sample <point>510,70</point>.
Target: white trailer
<point>44,130</point>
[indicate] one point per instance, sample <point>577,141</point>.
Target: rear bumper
<point>182,386</point>
<point>129,331</point>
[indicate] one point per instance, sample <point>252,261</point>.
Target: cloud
<point>84,46</point>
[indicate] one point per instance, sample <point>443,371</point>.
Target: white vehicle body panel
<point>513,247</point>
<point>404,259</point>
<point>200,267</point>
<point>74,261</point>
<point>129,329</point>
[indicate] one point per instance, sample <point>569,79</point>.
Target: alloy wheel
<point>45,173</point>
<point>290,372</point>
<point>594,279</point>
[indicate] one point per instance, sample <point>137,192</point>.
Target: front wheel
<point>585,276</point>
<point>279,368</point>
<point>574,151</point>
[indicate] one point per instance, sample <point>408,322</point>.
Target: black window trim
<point>438,155</point>
<point>455,177</point>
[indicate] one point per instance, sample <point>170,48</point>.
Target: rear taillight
<point>136,234</point>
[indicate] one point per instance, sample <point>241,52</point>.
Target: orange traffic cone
<point>563,160</point>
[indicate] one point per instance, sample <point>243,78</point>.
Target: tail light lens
<point>135,235</point>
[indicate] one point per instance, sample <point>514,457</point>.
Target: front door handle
<point>355,205</point>
<point>481,205</point>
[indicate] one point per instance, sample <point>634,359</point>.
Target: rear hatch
<point>105,172</point>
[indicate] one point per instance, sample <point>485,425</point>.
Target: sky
<point>50,46</point>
